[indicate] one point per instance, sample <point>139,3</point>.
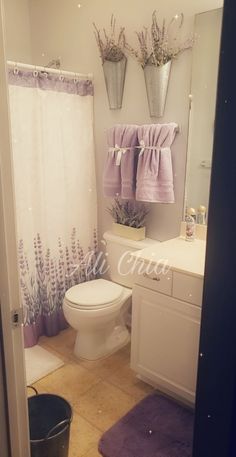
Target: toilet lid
<point>96,293</point>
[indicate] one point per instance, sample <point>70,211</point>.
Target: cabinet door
<point>165,341</point>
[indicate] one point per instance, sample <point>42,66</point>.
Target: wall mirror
<point>202,108</point>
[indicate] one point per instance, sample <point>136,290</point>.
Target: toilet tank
<point>120,264</point>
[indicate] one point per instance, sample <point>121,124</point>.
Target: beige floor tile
<point>100,392</point>
<point>70,381</point>
<point>83,437</point>
<point>63,343</point>
<point>126,380</point>
<point>103,405</point>
<point>105,367</point>
<point>93,453</point>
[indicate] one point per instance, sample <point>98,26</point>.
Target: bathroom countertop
<point>182,256</point>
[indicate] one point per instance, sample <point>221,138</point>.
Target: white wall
<point>17,25</point>
<point>60,28</point>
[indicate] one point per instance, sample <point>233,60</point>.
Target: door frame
<point>4,429</point>
<point>9,281</point>
<point>215,417</point>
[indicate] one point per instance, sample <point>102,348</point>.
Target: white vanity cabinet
<point>165,332</point>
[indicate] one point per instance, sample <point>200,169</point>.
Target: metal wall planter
<point>114,74</point>
<point>157,80</point>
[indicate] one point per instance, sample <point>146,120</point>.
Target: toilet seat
<point>95,294</point>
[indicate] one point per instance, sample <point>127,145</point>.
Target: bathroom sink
<point>180,255</point>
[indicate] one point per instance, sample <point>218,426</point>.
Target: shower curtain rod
<point>70,74</point>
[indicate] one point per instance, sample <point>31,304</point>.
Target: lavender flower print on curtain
<point>43,291</point>
<point>55,192</point>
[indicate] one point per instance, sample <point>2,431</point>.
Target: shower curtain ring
<point>61,77</point>
<point>35,72</point>
<point>45,73</point>
<point>16,70</point>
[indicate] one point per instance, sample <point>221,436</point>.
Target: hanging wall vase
<point>157,80</point>
<point>114,74</point>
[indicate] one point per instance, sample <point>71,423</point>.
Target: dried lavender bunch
<point>129,213</point>
<point>110,47</point>
<point>160,44</point>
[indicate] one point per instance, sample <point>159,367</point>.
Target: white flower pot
<point>132,233</point>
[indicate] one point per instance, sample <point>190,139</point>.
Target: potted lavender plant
<point>114,62</point>
<point>158,47</point>
<point>129,219</point>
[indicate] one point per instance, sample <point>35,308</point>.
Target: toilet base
<point>96,345</point>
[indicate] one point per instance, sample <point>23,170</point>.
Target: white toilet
<point>97,309</point>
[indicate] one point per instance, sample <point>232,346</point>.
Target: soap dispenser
<point>190,228</point>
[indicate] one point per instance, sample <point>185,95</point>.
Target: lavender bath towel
<point>155,174</point>
<point>156,427</point>
<point>120,168</point>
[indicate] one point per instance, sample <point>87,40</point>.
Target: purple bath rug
<point>156,427</point>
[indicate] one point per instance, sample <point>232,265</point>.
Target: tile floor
<point>100,392</point>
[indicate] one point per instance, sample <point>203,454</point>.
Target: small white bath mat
<point>40,363</point>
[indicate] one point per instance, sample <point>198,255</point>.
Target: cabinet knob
<point>149,277</point>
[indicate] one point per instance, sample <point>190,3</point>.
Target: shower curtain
<point>55,192</point>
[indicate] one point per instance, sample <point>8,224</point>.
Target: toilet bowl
<point>100,310</point>
<point>96,310</point>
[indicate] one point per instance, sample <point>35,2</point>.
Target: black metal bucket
<point>50,417</point>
